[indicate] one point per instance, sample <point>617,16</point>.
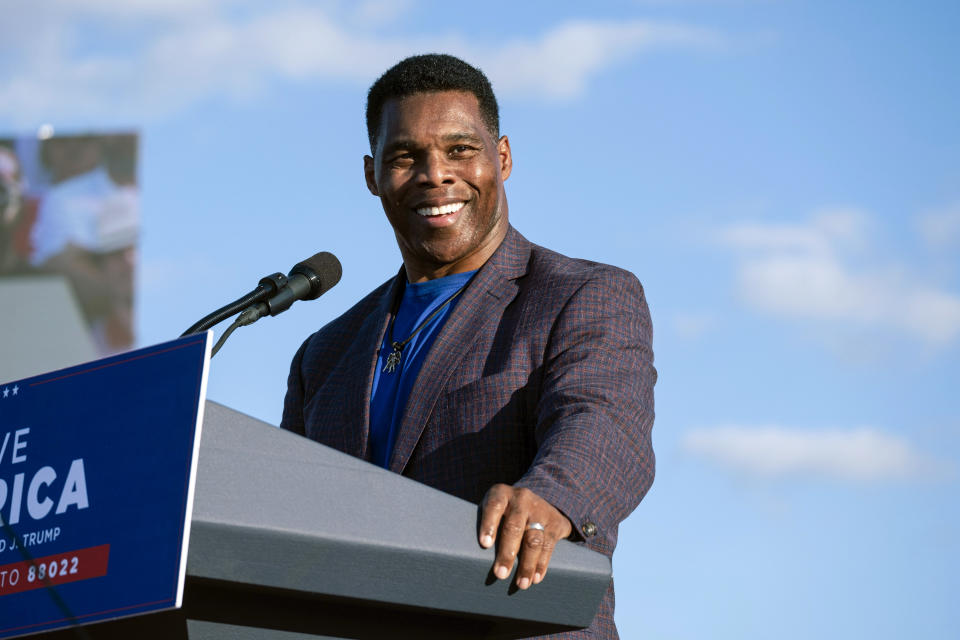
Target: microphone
<point>307,280</point>
<point>313,277</point>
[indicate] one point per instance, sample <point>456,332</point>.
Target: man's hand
<point>514,513</point>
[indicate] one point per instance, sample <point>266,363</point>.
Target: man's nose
<point>435,170</point>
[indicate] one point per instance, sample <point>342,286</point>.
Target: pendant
<point>393,359</point>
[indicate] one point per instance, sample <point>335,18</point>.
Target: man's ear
<point>506,157</point>
<point>370,175</point>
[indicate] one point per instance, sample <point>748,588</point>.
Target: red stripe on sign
<point>50,571</point>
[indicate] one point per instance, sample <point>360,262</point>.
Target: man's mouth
<point>446,209</point>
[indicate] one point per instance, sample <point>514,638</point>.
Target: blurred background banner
<point>70,208</point>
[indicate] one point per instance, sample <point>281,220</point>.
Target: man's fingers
<point>494,504</point>
<point>543,560</point>
<point>531,550</point>
<point>521,524</point>
<point>512,526</point>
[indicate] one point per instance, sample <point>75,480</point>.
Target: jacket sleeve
<point>293,402</point>
<point>594,458</point>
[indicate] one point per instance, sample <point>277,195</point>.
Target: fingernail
<point>486,540</point>
<point>537,578</point>
<point>501,572</point>
<point>524,583</point>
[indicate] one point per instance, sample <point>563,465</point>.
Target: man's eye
<point>461,149</point>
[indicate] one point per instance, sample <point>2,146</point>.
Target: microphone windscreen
<point>322,269</point>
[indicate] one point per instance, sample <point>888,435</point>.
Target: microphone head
<point>323,270</point>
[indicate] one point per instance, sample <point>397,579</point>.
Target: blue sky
<point>782,176</point>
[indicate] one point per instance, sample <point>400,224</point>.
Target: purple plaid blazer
<point>542,377</point>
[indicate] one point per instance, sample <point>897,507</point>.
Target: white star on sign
<point>6,392</point>
<point>15,389</point>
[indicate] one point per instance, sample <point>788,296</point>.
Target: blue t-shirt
<point>390,391</point>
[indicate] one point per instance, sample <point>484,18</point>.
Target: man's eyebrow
<point>463,136</point>
<point>399,143</point>
<point>454,136</point>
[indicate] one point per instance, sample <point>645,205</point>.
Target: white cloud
<point>826,229</point>
<point>127,9</point>
<point>152,57</point>
<point>561,61</point>
<point>381,11</point>
<point>805,271</point>
<point>862,454</point>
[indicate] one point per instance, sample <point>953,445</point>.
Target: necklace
<point>394,358</point>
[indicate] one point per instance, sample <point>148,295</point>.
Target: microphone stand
<point>274,294</point>
<point>268,286</point>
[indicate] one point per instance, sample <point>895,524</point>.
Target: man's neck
<point>418,271</point>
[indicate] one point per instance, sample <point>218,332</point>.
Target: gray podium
<point>292,540</point>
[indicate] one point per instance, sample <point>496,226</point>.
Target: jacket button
<point>589,529</point>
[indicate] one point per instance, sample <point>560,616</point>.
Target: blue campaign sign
<point>97,469</point>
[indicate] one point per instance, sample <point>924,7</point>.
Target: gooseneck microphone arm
<point>268,286</point>
<point>308,280</point>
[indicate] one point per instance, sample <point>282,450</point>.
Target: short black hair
<point>427,73</point>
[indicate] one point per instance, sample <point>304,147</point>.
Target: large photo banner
<point>69,208</point>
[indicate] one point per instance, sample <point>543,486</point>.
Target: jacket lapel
<point>369,336</point>
<point>477,312</point>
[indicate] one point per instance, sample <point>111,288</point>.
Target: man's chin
<point>436,259</point>
<point>441,257</point>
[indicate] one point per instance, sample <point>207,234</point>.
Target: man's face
<point>439,175</point>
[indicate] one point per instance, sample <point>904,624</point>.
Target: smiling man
<point>439,173</point>
<point>488,367</point>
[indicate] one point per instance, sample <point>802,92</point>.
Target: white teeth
<point>440,211</point>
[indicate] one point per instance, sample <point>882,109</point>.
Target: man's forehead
<point>423,118</point>
<point>432,110</point>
